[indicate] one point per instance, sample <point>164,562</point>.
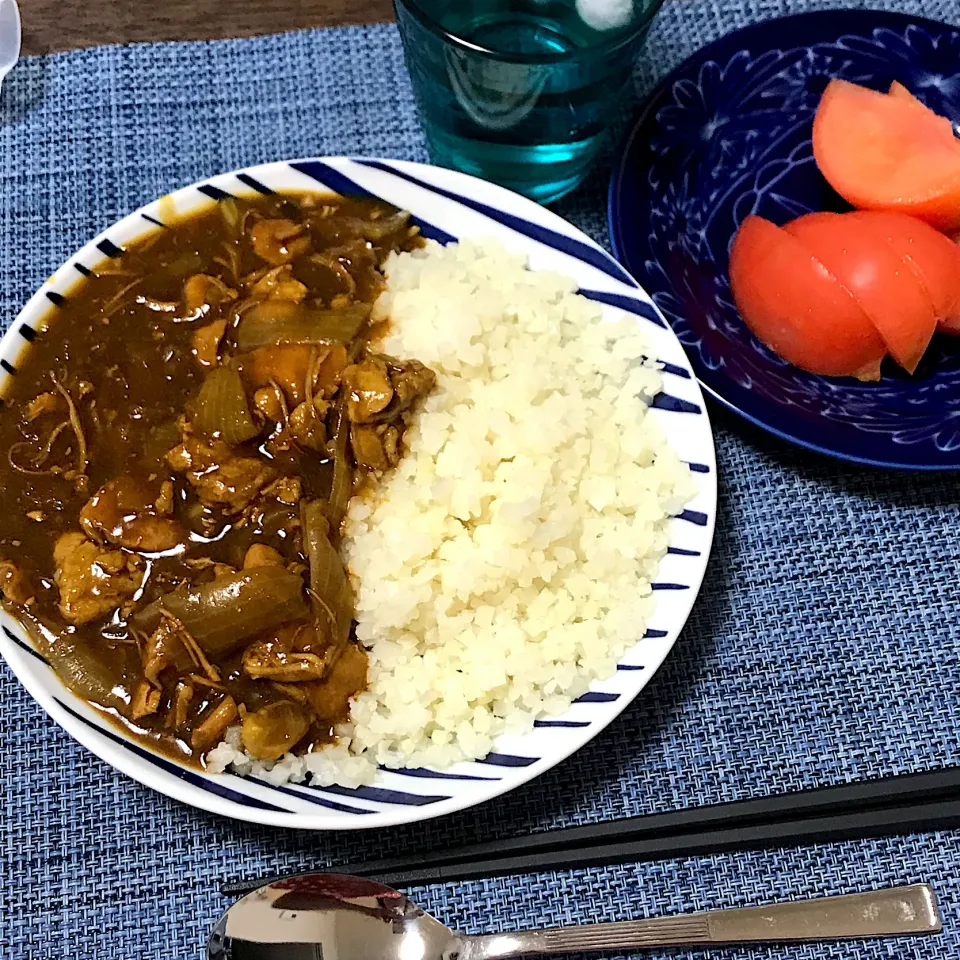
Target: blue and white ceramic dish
<point>447,206</point>
<point>729,134</point>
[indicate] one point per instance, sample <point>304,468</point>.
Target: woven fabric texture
<point>823,647</point>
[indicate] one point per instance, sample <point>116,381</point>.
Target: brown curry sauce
<point>180,443</point>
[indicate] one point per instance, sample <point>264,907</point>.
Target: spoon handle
<point>897,911</point>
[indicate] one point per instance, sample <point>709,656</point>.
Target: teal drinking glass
<point>521,92</point>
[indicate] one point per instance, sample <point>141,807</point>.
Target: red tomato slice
<point>791,302</point>
<point>934,258</point>
<point>883,153</point>
<point>890,292</point>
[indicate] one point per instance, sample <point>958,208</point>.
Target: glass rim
<point>620,39</point>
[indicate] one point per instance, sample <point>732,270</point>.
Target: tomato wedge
<point>934,258</point>
<point>881,152</point>
<point>792,303</point>
<point>890,292</point>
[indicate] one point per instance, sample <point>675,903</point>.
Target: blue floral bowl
<point>729,134</point>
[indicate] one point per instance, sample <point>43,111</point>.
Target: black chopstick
<point>922,818</point>
<point>874,794</point>
<point>905,803</point>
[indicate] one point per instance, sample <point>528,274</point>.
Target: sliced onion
<point>221,409</point>
<point>91,673</point>
<point>342,486</point>
<point>274,322</point>
<point>329,587</point>
<point>230,213</point>
<point>221,615</point>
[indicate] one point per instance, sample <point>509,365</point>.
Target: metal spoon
<point>9,36</point>
<point>332,917</point>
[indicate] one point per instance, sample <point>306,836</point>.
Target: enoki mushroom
<point>35,466</point>
<point>193,648</point>
<point>37,470</point>
<point>230,261</point>
<point>82,459</point>
<point>115,302</point>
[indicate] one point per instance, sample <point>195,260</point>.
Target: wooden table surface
<point>50,25</point>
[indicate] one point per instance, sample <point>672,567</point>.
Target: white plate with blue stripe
<point>447,206</point>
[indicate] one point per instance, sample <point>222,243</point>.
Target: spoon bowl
<point>326,916</point>
<point>335,917</point>
<point>9,36</point>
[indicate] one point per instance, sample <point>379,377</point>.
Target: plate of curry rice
<point>342,493</point>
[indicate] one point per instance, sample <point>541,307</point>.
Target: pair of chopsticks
<point>911,803</point>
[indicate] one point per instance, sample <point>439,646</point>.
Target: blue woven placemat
<point>823,648</point>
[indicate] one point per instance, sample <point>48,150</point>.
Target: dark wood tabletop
<point>50,25</point>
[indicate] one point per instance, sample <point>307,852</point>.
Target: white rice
<point>506,563</point>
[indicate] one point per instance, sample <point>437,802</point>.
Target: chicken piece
<point>121,512</point>
<point>214,724</point>
<point>368,389</point>
<point>92,581</point>
<point>264,660</point>
<point>13,585</point>
<point>330,371</point>
<point>164,649</point>
<point>292,654</point>
<point>306,426</point>
<point>391,445</point>
<point>145,701</point>
<point>179,706</point>
<point>273,730</point>
<point>270,401</point>
<point>375,447</point>
<point>330,697</point>
<point>218,477</point>
<point>164,503</point>
<point>411,380</point>
<point>381,389</point>
<point>261,555</point>
<point>206,343</point>
<point>279,241</point>
<point>233,484</point>
<point>367,448</point>
<point>201,293</point>
<point>42,404</point>
<point>279,284</point>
